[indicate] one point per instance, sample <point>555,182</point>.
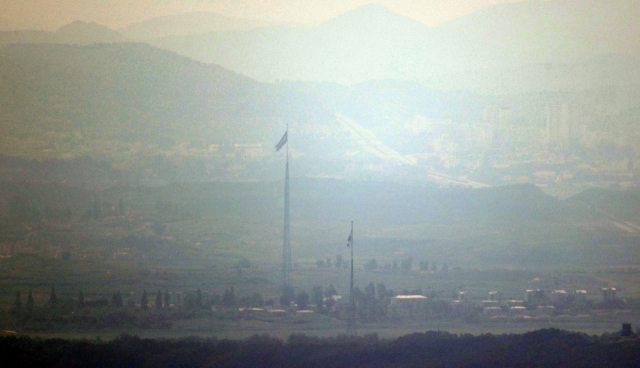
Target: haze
<point>178,168</point>
<point>52,14</point>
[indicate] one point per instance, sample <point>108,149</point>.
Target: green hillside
<point>129,92</point>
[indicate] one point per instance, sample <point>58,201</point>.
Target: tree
<point>21,211</point>
<point>445,267</point>
<point>53,299</point>
<point>30,302</point>
<point>167,299</point>
<point>287,296</point>
<point>320,263</point>
<point>17,303</point>
<point>159,228</point>
<point>330,291</point>
<point>80,299</point>
<point>116,299</point>
<point>370,290</point>
<point>329,262</point>
<point>317,297</point>
<point>424,265</point>
<point>255,301</point>
<point>302,300</point>
<point>199,298</point>
<point>144,300</point>
<point>159,300</point>
<point>434,267</point>
<point>371,265</point>
<point>285,300</point>
<point>95,212</point>
<point>229,298</point>
<point>338,261</point>
<point>382,291</point>
<point>406,264</point>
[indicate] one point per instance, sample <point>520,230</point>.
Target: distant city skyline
<point>52,14</point>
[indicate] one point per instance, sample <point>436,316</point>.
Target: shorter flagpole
<point>351,326</point>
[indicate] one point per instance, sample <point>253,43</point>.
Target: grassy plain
<point>183,239</point>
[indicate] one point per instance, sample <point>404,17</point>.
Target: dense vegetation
<point>542,348</point>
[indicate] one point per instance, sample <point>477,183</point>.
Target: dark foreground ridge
<point>541,348</point>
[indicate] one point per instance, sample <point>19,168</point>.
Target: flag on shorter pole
<point>283,140</point>
<point>350,239</point>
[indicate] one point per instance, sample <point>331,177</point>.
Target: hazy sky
<point>51,14</point>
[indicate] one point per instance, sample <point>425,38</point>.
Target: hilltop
<point>134,92</point>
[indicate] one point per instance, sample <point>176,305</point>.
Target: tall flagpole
<point>351,326</point>
<point>286,244</point>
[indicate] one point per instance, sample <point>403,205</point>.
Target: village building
<point>608,294</point>
<point>515,303</point>
<point>534,296</point>
<point>580,295</point>
<point>408,300</point>
<point>492,311</point>
<point>495,295</point>
<point>559,296</point>
<point>517,310</point>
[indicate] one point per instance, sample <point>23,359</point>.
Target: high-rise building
<point>499,121</point>
<point>560,129</point>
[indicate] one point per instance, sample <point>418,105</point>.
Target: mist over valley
<point>199,174</point>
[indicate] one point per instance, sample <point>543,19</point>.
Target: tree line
<point>540,348</point>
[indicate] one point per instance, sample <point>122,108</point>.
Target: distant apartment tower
<point>499,121</point>
<point>559,125</point>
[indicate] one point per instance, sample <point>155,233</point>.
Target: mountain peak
<point>373,16</point>
<point>80,32</point>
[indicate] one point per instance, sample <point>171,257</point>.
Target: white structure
<point>408,300</point>
<point>492,311</point>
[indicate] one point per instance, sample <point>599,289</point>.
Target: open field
<point>216,237</point>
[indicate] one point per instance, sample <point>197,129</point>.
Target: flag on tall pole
<point>286,242</point>
<point>283,140</point>
<point>350,238</point>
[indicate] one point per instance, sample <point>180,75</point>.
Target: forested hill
<point>541,348</point>
<point>323,200</point>
<point>135,92</point>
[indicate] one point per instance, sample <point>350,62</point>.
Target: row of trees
<point>30,303</point>
<point>330,262</point>
<point>405,264</point>
<point>541,348</point>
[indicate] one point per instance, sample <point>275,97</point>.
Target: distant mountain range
<point>76,33</point>
<point>134,92</point>
<point>512,48</point>
<point>187,24</point>
<point>371,42</point>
